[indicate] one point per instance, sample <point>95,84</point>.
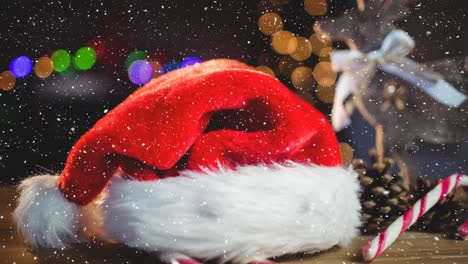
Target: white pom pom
<point>44,216</point>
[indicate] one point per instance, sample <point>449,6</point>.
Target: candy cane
<point>462,230</point>
<point>175,258</point>
<point>383,240</point>
<point>179,258</point>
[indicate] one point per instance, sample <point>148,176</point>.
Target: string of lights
<point>140,66</point>
<point>294,50</point>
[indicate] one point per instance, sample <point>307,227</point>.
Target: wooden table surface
<point>412,247</point>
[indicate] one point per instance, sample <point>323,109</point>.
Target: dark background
<point>41,119</point>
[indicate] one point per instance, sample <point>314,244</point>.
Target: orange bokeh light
<point>315,7</point>
<point>302,78</point>
<point>43,67</point>
<point>303,50</point>
<point>7,81</point>
<point>270,23</point>
<point>283,42</point>
<point>324,74</point>
<point>266,69</point>
<point>326,93</point>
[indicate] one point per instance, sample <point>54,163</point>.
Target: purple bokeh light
<point>140,72</point>
<point>21,66</point>
<point>190,61</point>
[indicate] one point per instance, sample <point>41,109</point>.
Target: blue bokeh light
<point>170,66</point>
<point>140,72</point>
<point>21,66</point>
<point>190,61</point>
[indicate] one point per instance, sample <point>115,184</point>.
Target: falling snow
<point>42,118</point>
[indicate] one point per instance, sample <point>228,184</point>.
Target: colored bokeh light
<point>302,78</point>
<point>303,50</point>
<point>60,60</point>
<point>286,66</point>
<point>319,42</point>
<point>283,42</point>
<point>266,69</point>
<point>140,72</point>
<point>134,56</point>
<point>156,67</point>
<point>43,67</point>
<point>158,55</point>
<point>69,71</point>
<point>7,81</point>
<point>190,61</point>
<point>324,74</point>
<point>346,152</point>
<point>170,66</point>
<point>270,23</point>
<point>315,7</point>
<point>84,58</point>
<point>326,93</point>
<point>21,66</point>
<point>99,46</point>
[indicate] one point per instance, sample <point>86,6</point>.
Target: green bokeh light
<point>69,71</point>
<point>84,58</point>
<point>60,60</point>
<point>134,56</point>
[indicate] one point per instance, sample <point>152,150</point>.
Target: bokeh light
<point>99,46</point>
<point>157,67</point>
<point>266,69</point>
<point>60,60</point>
<point>302,78</point>
<point>7,81</point>
<point>134,56</point>
<point>170,66</point>
<point>43,67</point>
<point>190,61</point>
<point>159,56</point>
<point>315,7</point>
<point>270,23</point>
<point>324,74</point>
<point>69,71</point>
<point>84,58</point>
<point>325,54</point>
<point>287,65</point>
<point>21,66</point>
<point>303,50</point>
<point>346,152</point>
<point>319,42</point>
<point>326,93</point>
<point>140,72</point>
<point>283,42</point>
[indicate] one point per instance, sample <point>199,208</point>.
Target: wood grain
<point>412,247</point>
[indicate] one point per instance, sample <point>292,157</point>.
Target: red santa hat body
<point>213,160</point>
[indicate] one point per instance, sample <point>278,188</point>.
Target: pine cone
<point>384,197</point>
<point>445,216</point>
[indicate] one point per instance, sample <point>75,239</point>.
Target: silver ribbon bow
<point>358,69</point>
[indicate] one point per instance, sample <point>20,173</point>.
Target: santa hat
<point>213,160</point>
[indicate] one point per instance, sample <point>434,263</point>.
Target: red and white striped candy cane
<point>383,240</point>
<point>462,230</point>
<point>175,258</point>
